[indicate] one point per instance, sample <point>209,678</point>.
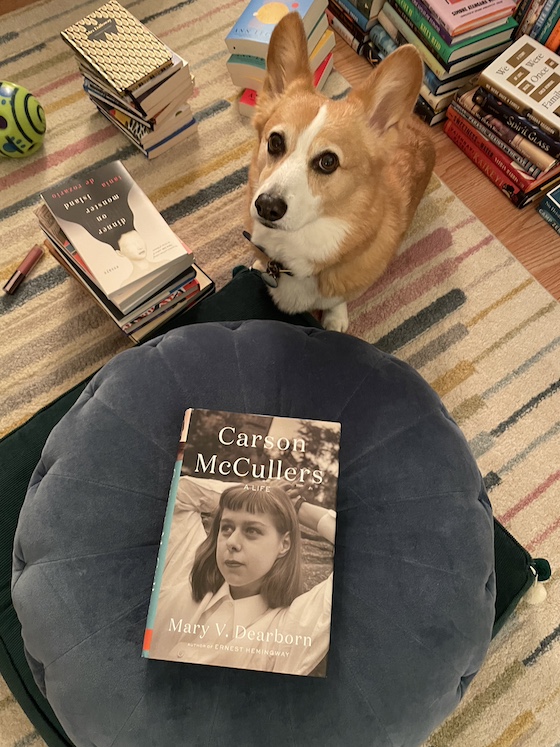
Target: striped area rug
<point>454,304</point>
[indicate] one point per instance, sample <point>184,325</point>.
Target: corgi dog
<point>333,185</point>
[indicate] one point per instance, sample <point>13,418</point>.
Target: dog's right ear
<point>287,60</point>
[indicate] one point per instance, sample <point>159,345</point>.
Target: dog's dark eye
<point>276,144</point>
<point>327,163</point>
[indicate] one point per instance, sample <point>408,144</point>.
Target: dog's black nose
<point>270,207</point>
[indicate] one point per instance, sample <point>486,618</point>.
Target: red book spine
<point>508,188</point>
<point>491,150</point>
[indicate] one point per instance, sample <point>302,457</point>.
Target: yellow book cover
<point>116,44</point>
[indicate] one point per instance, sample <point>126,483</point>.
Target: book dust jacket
<point>244,574</point>
<point>117,231</point>
<point>118,46</point>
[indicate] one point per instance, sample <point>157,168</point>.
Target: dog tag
<point>271,275</point>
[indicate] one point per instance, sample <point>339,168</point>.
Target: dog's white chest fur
<point>303,238</point>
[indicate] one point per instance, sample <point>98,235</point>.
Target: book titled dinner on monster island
<point>129,249</point>
<point>244,573</point>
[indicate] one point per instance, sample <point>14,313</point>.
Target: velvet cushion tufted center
<point>414,587</point>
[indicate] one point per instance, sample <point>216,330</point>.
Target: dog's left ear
<point>391,91</point>
<point>287,58</point>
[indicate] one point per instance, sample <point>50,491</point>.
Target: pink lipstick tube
<point>24,269</point>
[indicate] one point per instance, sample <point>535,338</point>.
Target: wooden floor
<point>523,232</point>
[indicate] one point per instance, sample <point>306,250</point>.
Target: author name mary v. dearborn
<point>240,632</point>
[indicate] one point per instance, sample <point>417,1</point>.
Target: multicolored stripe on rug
<point>454,304</point>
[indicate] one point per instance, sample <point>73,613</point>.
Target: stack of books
<point>352,20</point>
<point>105,232</point>
<point>135,81</point>
<point>454,38</point>
<point>509,125</point>
<point>540,19</point>
<point>248,41</point>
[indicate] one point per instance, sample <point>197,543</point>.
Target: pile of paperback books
<point>248,42</point>
<point>133,78</point>
<point>108,235</point>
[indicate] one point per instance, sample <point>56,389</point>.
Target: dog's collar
<point>273,269</point>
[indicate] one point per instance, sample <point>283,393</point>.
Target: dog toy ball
<point>22,121</point>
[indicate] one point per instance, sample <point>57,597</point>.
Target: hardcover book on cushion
<point>245,565</point>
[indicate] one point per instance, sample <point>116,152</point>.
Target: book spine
<point>508,188</point>
<point>542,18</point>
<point>553,41</point>
<point>441,23</point>
<point>345,20</point>
<point>491,104</point>
<point>382,40</point>
<point>521,11</point>
<point>437,102</point>
<point>500,137</point>
<point>517,104</point>
<point>490,149</point>
<point>161,557</point>
<point>364,48</point>
<point>419,25</point>
<point>516,141</point>
<point>434,22</point>
<point>549,25</point>
<point>426,113</point>
<point>358,17</point>
<point>548,216</point>
<point>531,17</point>
<point>411,38</point>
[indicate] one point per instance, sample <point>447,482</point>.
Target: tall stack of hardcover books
<point>509,124</point>
<point>105,232</point>
<point>135,81</point>
<point>248,41</point>
<point>455,39</point>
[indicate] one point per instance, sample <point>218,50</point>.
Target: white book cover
<point>527,78</point>
<point>116,229</point>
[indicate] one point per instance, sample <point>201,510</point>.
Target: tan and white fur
<point>333,185</point>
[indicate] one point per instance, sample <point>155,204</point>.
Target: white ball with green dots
<point>22,121</point>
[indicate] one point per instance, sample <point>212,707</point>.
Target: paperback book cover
<point>527,78</point>
<point>118,46</point>
<point>252,31</point>
<point>119,233</point>
<point>245,566</point>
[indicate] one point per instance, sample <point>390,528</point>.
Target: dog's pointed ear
<point>391,91</point>
<point>287,59</point>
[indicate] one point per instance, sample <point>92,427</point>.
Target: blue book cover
<point>252,31</point>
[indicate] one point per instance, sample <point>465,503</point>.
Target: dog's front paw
<point>336,319</point>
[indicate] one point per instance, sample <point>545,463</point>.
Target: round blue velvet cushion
<point>414,580</point>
